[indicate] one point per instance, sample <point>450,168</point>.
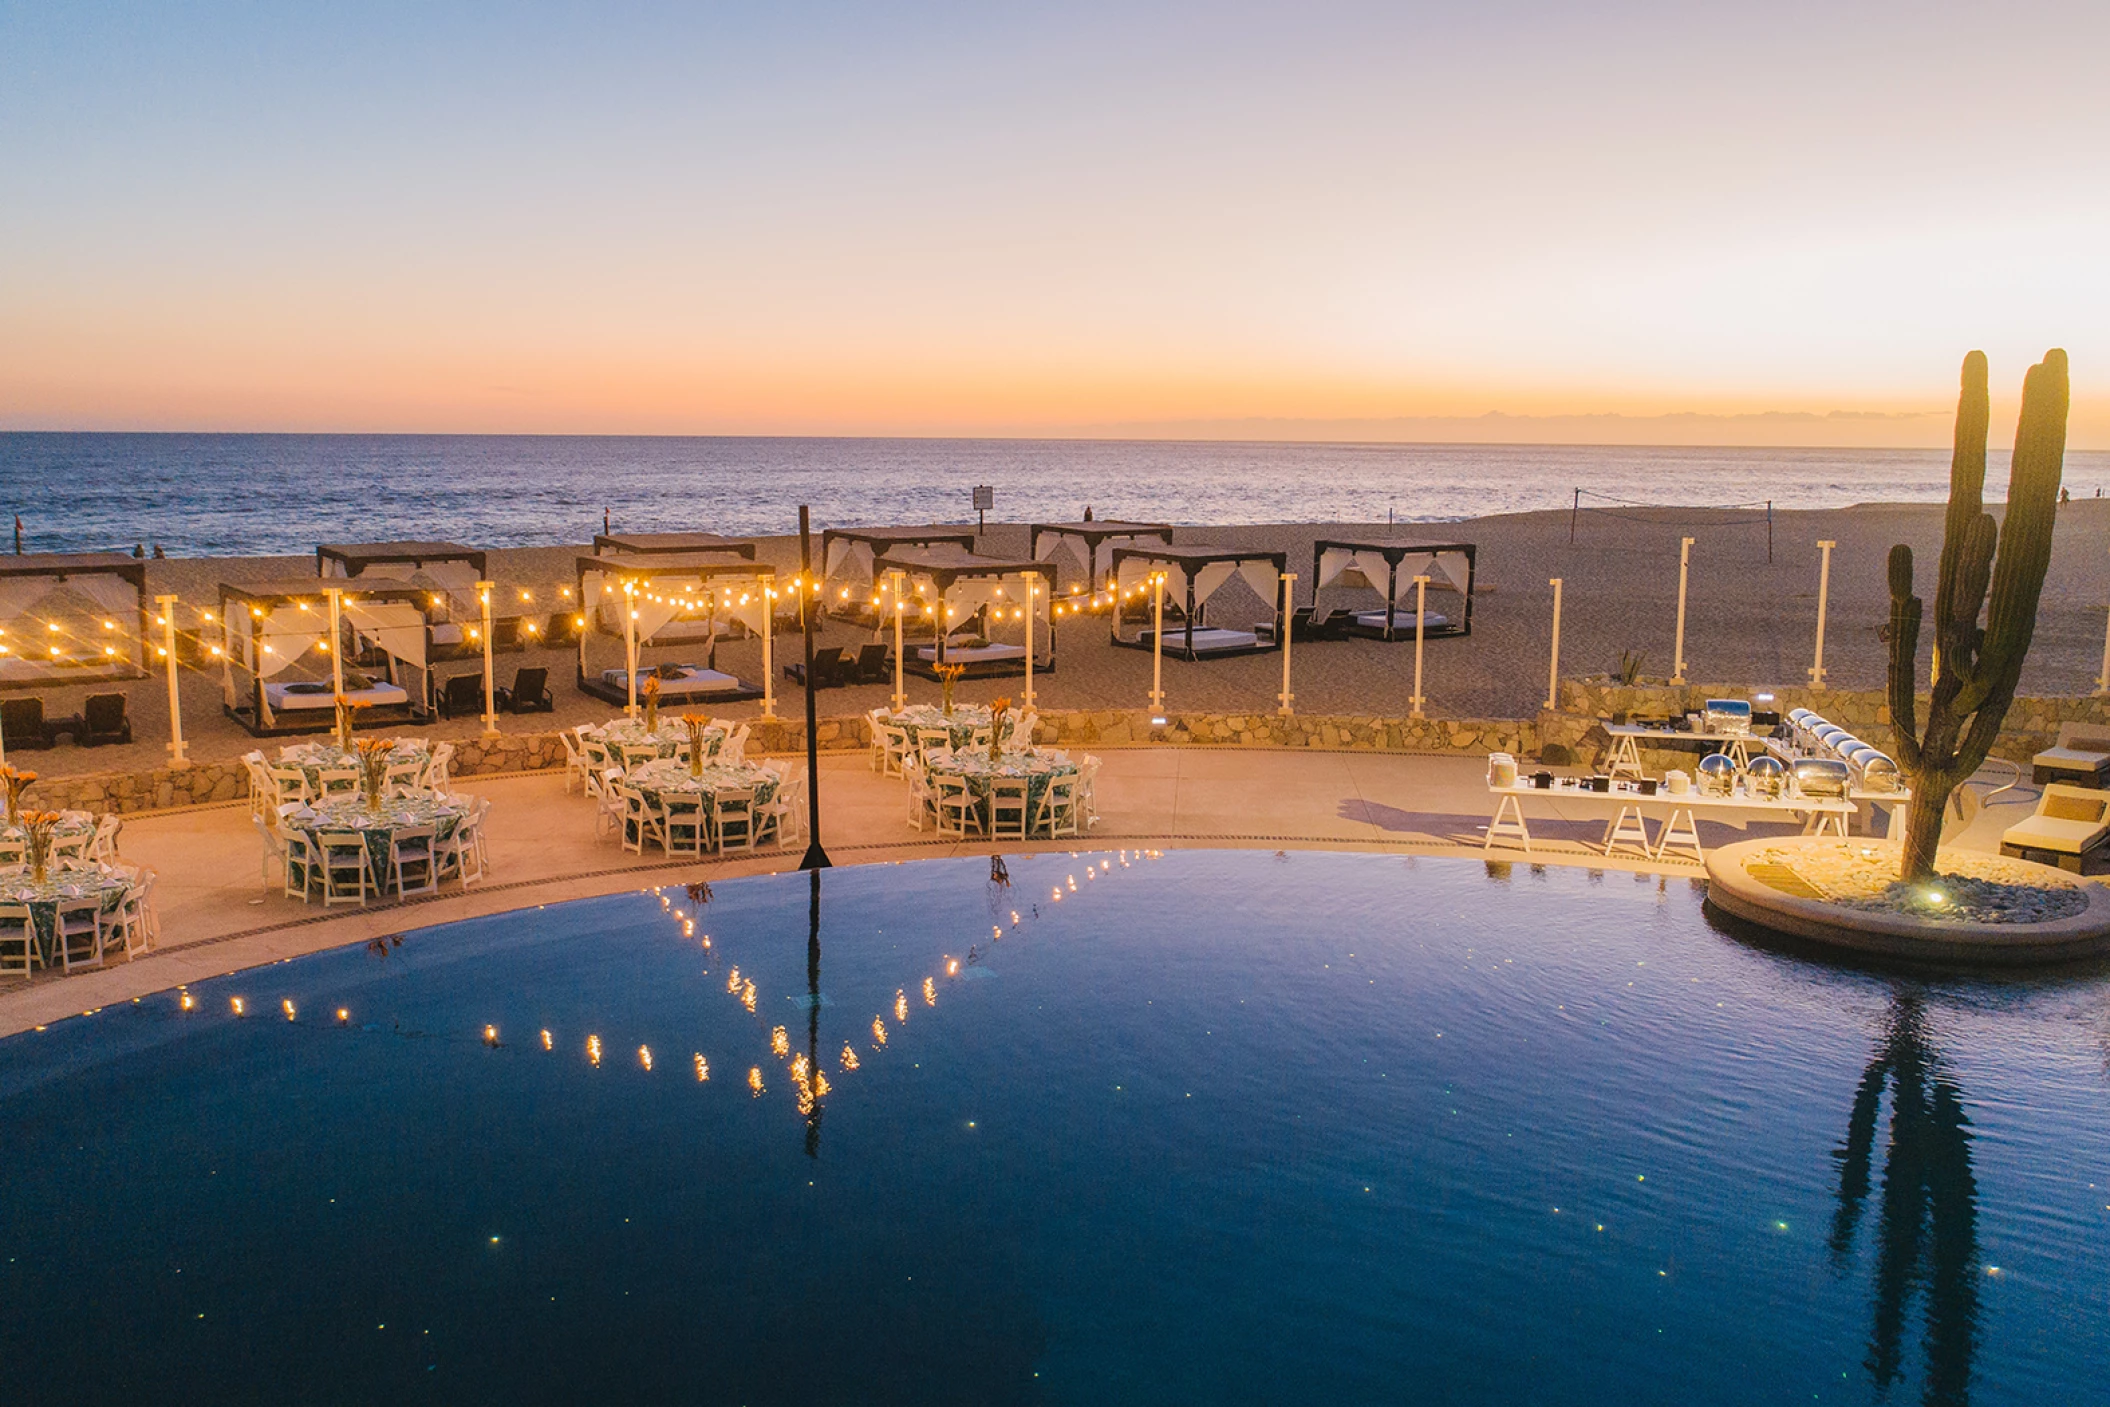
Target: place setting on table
<point>313,759</point>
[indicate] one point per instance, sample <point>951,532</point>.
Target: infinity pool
<point>1212,1127</point>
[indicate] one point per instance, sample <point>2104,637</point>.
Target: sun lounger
<point>2082,756</point>
<point>2070,824</point>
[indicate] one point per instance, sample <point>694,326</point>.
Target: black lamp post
<point>816,857</point>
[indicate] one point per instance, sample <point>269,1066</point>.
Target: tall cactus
<point>1976,669</point>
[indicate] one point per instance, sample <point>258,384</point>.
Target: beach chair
<point>2071,823</point>
<point>462,696</point>
<point>2080,757</point>
<point>22,724</point>
<point>871,666</point>
<point>529,692</point>
<point>827,668</point>
<point>104,720</point>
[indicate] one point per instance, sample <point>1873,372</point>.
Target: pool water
<point>1206,1127</point>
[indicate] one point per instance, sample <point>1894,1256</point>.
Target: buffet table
<point>1628,830</point>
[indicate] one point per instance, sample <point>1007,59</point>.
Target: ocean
<point>223,495</point>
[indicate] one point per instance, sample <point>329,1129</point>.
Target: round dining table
<point>667,740</point>
<point>313,759</point>
<point>1038,766</point>
<point>103,883</point>
<point>960,723</point>
<point>656,781</point>
<point>351,815</point>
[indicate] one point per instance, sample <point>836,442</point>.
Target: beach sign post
<point>1421,612</point>
<point>1824,593</point>
<point>1289,607</point>
<point>168,652</point>
<point>1553,669</point>
<point>1677,665</point>
<point>483,599</point>
<point>900,592</point>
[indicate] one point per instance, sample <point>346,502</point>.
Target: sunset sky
<point>967,219</point>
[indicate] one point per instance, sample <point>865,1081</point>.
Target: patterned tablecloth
<point>100,882</point>
<point>668,740</point>
<point>667,777</point>
<point>376,828</point>
<point>313,759</point>
<point>71,824</point>
<point>1038,767</point>
<point>965,718</point>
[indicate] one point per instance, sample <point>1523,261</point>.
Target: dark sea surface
<point>1220,1128</point>
<point>209,495</point>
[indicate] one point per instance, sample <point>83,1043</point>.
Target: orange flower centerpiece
<point>997,712</point>
<point>949,675</point>
<point>373,768</point>
<point>696,723</point>
<point>346,707</point>
<point>38,829</point>
<point>650,694</point>
<point>16,783</point>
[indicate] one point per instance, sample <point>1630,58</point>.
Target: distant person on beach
<point>2065,495</point>
<point>1087,512</point>
<point>158,553</point>
<point>139,549</point>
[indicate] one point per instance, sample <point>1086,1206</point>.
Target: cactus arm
<point>1904,646</point>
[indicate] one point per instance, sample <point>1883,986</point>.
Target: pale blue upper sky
<point>978,217</point>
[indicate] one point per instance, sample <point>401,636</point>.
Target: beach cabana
<point>702,547</point>
<point>849,580</point>
<point>672,599</point>
<point>947,585</point>
<point>271,628</point>
<point>1086,550</point>
<point>1193,574</point>
<point>446,572</point>
<point>1388,567</point>
<point>72,618</point>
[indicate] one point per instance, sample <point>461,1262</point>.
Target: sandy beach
<point>1748,622</point>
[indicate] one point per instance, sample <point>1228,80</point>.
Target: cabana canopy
<point>268,627</point>
<point>848,554</point>
<point>1089,546</point>
<point>699,546</point>
<point>1388,566</point>
<point>446,567</point>
<point>669,598</point>
<point>956,584</point>
<point>96,600</point>
<point>1195,573</point>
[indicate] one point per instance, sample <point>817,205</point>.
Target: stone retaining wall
<point>476,755</point>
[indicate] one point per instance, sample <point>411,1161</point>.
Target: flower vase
<point>651,718</point>
<point>373,799</point>
<point>946,685</point>
<point>696,758</point>
<point>39,858</point>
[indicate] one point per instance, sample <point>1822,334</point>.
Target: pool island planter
<point>1733,890</point>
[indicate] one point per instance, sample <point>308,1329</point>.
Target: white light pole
<point>336,639</point>
<point>630,644</point>
<point>1032,594</point>
<point>1289,611</point>
<point>168,652</point>
<point>1157,647</point>
<point>1824,593</point>
<point>483,598</point>
<point>1677,668</point>
<point>769,611</point>
<point>1421,613</point>
<point>1553,670</point>
<point>900,590</point>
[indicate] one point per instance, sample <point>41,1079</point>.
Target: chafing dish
<point>1877,772</point>
<point>1819,776</point>
<point>1767,776</point>
<point>1729,716</point>
<point>1717,775</point>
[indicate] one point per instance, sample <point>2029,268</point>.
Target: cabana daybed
<point>1388,566</point>
<point>849,580</point>
<point>1088,548</point>
<point>667,599</point>
<point>446,572</point>
<point>269,627</point>
<point>72,618</point>
<point>1192,575</point>
<point>947,585</point>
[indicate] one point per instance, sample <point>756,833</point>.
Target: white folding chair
<point>641,821</point>
<point>19,954</point>
<point>438,773</point>
<point>636,755</point>
<point>733,818</point>
<point>274,850</point>
<point>71,851</point>
<point>895,747</point>
<point>80,933</point>
<point>733,750</point>
<point>979,739</point>
<point>413,860</point>
<point>876,749</point>
<point>461,851</point>
<point>337,781</point>
<point>347,870</point>
<point>919,801</point>
<point>289,784</point>
<point>1088,791</point>
<point>1020,738</point>
<point>262,793</point>
<point>12,852</point>
<point>1058,806</point>
<point>606,790</point>
<point>1007,807</point>
<point>955,804</point>
<point>598,758</point>
<point>406,774</point>
<point>782,818</point>
<point>930,740</point>
<point>574,758</point>
<point>134,919</point>
<point>300,860</point>
<point>682,823</point>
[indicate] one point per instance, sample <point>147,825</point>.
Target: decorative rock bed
<point>1979,909</point>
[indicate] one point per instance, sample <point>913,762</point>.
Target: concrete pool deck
<point>217,917</point>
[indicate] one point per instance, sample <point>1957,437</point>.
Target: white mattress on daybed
<point>690,680</point>
<point>283,697</point>
<point>1403,620</point>
<point>977,654</point>
<point>1208,640</point>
